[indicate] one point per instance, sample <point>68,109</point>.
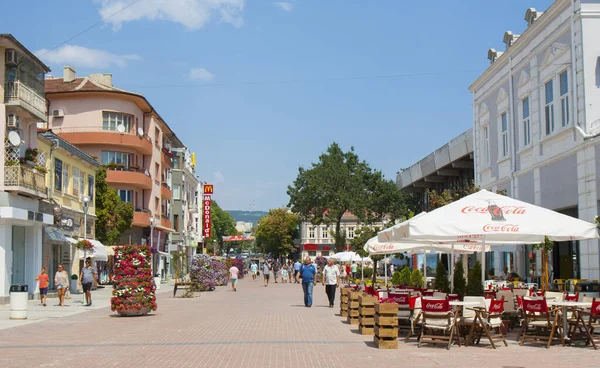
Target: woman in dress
<point>343,274</point>
<point>61,280</point>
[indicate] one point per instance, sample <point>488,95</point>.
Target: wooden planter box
<point>386,326</point>
<point>367,300</point>
<point>366,311</point>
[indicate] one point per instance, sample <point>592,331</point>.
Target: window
<point>65,180</point>
<point>350,233</point>
<point>176,162</point>
<point>311,232</point>
<point>126,195</point>
<point>57,174</point>
<point>504,126</point>
<point>76,180</point>
<point>156,171</point>
<point>176,191</point>
<point>312,253</point>
<point>324,233</point>
<point>176,223</point>
<point>549,109</point>
<point>486,144</point>
<point>156,135</point>
<point>111,120</point>
<point>118,158</point>
<point>564,98</point>
<point>91,189</point>
<point>526,122</point>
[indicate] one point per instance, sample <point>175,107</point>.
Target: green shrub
<point>396,278</point>
<point>416,279</point>
<point>474,282</point>
<point>405,276</point>
<point>367,273</point>
<point>441,278</point>
<point>460,284</point>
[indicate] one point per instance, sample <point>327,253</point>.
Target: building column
<point>5,259</point>
<point>588,209</point>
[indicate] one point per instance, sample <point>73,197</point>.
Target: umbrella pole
<point>451,265</point>
<point>483,261</point>
<point>425,269</point>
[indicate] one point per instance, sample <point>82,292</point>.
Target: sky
<point>258,88</point>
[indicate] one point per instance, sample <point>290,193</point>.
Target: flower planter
<point>134,312</point>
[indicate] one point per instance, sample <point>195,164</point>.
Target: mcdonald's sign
<point>208,189</point>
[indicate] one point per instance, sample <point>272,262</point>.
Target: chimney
<point>104,79</point>
<point>68,74</point>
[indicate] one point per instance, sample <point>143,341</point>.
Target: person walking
<point>307,273</point>
<point>354,268</point>
<point>61,280</point>
<point>266,272</point>
<point>331,280</point>
<point>253,269</point>
<point>297,267</point>
<point>284,274</point>
<point>88,279</point>
<point>343,274</point>
<point>233,276</point>
<point>43,279</point>
<point>290,270</point>
<point>275,270</point>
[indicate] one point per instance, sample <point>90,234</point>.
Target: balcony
<point>166,222</point>
<point>141,217</point>
<point>193,207</point>
<point>167,158</point>
<point>23,179</point>
<point>138,177</point>
<point>18,94</point>
<point>98,136</point>
<point>166,192</point>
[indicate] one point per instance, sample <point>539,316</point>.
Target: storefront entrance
<point>18,255</point>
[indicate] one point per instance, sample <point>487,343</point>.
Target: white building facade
<point>535,112</point>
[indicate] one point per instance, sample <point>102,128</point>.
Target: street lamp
<point>384,222</point>
<point>86,205</point>
<point>152,242</point>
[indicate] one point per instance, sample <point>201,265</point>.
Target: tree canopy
<point>113,216</point>
<point>338,183</point>
<point>222,224</point>
<point>276,232</point>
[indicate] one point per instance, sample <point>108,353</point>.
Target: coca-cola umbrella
<point>491,218</point>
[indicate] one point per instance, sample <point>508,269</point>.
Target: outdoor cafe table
<point>476,320</point>
<point>565,305</point>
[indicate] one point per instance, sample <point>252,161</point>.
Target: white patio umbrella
<point>491,218</point>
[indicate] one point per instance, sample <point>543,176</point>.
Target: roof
<point>14,41</point>
<point>49,136</point>
<point>85,84</point>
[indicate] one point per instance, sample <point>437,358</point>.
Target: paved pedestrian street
<point>253,327</point>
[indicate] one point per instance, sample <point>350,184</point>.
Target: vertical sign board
<point>208,190</point>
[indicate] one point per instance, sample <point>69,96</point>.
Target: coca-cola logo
<point>400,299</point>
<point>598,308</point>
<point>496,307</point>
<point>501,228</point>
<point>535,307</point>
<point>435,306</point>
<point>379,247</point>
<point>507,210</point>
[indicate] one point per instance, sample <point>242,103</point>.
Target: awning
<point>99,253</point>
<point>54,234</point>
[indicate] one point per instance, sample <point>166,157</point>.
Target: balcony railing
<point>17,91</point>
<point>21,176</point>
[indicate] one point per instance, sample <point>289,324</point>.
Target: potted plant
<point>134,289</point>
<point>31,156</point>
<point>40,169</point>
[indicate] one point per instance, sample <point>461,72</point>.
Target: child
<point>284,273</point>
<point>43,278</point>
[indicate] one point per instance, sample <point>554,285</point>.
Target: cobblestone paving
<point>253,327</point>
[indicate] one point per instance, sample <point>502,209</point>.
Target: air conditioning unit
<point>12,58</point>
<point>13,121</point>
<point>58,113</point>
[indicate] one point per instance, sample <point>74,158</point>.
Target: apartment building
<point>535,127</point>
<point>185,202</point>
<point>124,132</point>
<point>21,185</point>
<point>70,178</point>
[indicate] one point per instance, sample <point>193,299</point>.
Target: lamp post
<point>384,222</point>
<point>86,205</point>
<point>152,244</point>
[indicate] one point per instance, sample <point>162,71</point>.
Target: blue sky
<point>257,88</point>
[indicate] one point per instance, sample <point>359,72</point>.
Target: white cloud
<point>201,74</point>
<point>219,178</point>
<point>192,14</point>
<point>284,5</point>
<point>84,57</point>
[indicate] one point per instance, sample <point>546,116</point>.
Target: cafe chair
<point>487,320</point>
<point>593,323</point>
<point>540,323</point>
<point>439,322</point>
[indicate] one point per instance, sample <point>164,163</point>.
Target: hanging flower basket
<point>84,245</point>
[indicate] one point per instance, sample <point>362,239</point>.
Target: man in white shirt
<point>233,275</point>
<point>331,280</point>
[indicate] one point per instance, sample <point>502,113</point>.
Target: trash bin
<point>588,289</point>
<point>18,301</point>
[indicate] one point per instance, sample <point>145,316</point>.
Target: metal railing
<point>15,90</point>
<point>25,177</point>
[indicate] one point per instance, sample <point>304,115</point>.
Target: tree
<point>460,284</point>
<point>474,283</point>
<point>113,216</point>
<point>405,276</point>
<point>276,232</point>
<point>416,279</point>
<point>338,183</point>
<point>441,278</point>
<point>221,224</point>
